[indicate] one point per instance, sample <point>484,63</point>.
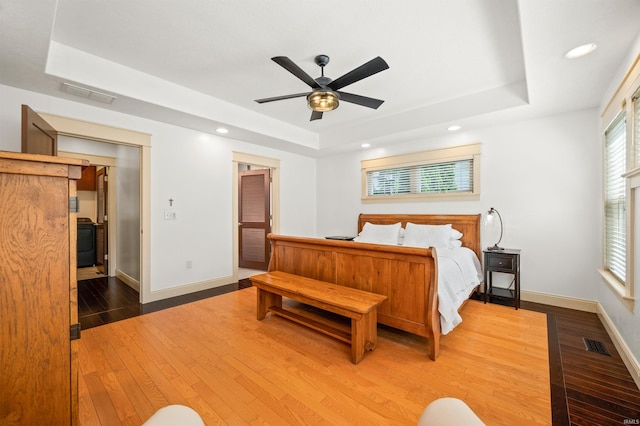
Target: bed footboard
<point>406,275</point>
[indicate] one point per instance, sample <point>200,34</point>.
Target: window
<point>437,174</point>
<point>615,199</point>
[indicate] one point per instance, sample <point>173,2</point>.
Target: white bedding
<point>459,271</point>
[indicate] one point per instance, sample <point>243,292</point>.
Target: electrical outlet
<point>189,264</point>
<point>169,215</point>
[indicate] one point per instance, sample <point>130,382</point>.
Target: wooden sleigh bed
<point>408,276</point>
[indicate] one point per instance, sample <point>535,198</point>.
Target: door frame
<point>253,160</point>
<point>102,133</point>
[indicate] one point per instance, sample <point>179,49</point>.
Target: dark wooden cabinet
<point>506,261</point>
<point>38,295</point>
<point>88,180</point>
<point>38,137</point>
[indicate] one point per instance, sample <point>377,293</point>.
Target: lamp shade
<point>321,100</point>
<point>490,220</point>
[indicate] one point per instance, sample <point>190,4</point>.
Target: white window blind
<point>454,176</point>
<point>615,198</point>
<point>445,177</point>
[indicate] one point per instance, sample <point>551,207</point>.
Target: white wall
<point>542,175</point>
<point>195,170</point>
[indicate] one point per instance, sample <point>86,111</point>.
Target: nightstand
<point>506,261</point>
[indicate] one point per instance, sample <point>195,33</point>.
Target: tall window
<point>449,172</point>
<point>615,198</point>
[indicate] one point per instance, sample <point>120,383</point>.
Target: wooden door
<point>38,295</point>
<point>102,230</point>
<point>38,137</point>
<point>254,218</point>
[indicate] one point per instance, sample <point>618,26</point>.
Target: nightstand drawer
<point>497,262</point>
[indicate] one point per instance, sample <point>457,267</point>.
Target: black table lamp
<point>489,219</point>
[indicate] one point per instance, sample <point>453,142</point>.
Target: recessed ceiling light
<point>222,130</point>
<point>454,128</point>
<point>579,51</point>
<point>365,145</point>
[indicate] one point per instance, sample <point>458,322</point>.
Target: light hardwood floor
<point>214,356</point>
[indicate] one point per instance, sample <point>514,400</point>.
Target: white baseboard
<point>625,353</point>
<point>560,301</point>
<point>154,296</point>
<point>128,280</point>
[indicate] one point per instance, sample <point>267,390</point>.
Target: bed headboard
<point>468,224</point>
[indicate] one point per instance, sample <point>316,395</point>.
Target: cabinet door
<point>88,180</point>
<point>35,350</point>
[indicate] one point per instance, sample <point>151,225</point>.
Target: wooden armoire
<point>38,296</point>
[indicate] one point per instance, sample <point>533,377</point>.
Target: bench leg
<point>265,301</point>
<point>364,335</point>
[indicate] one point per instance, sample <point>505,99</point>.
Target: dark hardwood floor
<point>594,389</point>
<point>105,300</point>
<point>587,388</point>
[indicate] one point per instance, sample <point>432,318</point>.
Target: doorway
<point>122,138</point>
<point>95,204</point>
<point>110,202</point>
<point>256,206</point>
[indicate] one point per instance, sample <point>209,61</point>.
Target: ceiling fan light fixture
<point>325,94</point>
<point>321,100</point>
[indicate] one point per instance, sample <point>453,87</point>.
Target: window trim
<point>622,100</point>
<point>463,152</point>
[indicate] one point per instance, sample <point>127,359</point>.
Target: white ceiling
<point>202,63</point>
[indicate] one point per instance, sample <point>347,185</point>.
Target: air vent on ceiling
<point>595,346</point>
<point>83,92</point>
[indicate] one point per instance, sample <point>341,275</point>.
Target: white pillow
<point>455,234</point>
<point>427,235</point>
<point>439,236</point>
<point>380,234</point>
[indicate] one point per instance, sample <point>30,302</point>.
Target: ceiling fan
<point>326,93</point>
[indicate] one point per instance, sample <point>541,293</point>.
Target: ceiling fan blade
<point>372,67</point>
<point>360,100</point>
<point>316,115</point>
<point>279,98</point>
<point>290,66</point>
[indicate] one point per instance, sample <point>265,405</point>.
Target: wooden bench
<point>359,305</point>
